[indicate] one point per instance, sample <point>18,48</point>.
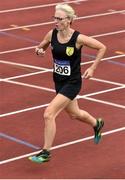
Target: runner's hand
<point>39,51</point>
<point>88,73</point>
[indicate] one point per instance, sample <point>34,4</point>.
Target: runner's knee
<point>73,115</point>
<point>48,115</point>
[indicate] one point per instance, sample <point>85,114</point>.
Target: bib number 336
<point>62,68</point>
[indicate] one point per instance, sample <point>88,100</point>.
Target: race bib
<point>62,67</point>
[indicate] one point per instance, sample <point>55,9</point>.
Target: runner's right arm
<point>40,49</point>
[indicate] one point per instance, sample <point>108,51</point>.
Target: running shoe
<point>97,130</point>
<point>43,156</point>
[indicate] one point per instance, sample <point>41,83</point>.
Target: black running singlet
<point>66,58</point>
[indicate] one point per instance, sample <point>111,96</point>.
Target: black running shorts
<point>68,89</point>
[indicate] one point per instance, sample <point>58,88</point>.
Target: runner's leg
<point>76,113</point>
<point>54,108</point>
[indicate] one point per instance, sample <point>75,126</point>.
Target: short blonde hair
<point>67,9</point>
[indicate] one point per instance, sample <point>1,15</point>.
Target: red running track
<point>23,103</point>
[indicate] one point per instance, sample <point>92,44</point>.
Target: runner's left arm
<point>94,44</point>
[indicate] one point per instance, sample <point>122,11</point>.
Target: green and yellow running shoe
<point>43,156</point>
<point>97,130</point>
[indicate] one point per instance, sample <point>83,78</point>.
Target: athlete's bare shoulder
<point>48,36</point>
<point>89,41</point>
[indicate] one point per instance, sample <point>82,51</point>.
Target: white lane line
<point>63,145</point>
<point>101,92</point>
<point>37,6</point>
<point>15,112</point>
<point>105,59</point>
<point>25,75</point>
<point>52,22</point>
<point>50,70</point>
<point>33,47</point>
<point>101,14</point>
<point>104,102</point>
<point>88,138</point>
<point>25,65</point>
<point>28,85</point>
<point>46,69</point>
<point>106,81</point>
<point>108,34</point>
<point>24,110</point>
<point>41,72</point>
<point>112,10</point>
<point>77,2</point>
<point>27,26</point>
<point>40,106</point>
<point>18,50</point>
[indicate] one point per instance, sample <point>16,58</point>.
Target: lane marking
<point>37,107</point>
<point>29,85</point>
<point>113,10</point>
<point>119,52</point>
<point>50,70</point>
<point>24,28</point>
<point>18,50</point>
<point>52,22</point>
<point>104,102</point>
<point>104,59</point>
<point>37,6</point>
<point>52,90</point>
<point>45,69</point>
<point>106,81</point>
<point>101,92</point>
<point>27,69</point>
<point>31,47</point>
<point>108,34</point>
<point>25,65</point>
<point>25,75</point>
<point>76,2</point>
<point>88,139</point>
<point>19,141</point>
<point>45,105</point>
<point>63,145</point>
<point>13,25</point>
<point>24,110</point>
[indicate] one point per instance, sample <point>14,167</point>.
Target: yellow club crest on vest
<point>69,51</point>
